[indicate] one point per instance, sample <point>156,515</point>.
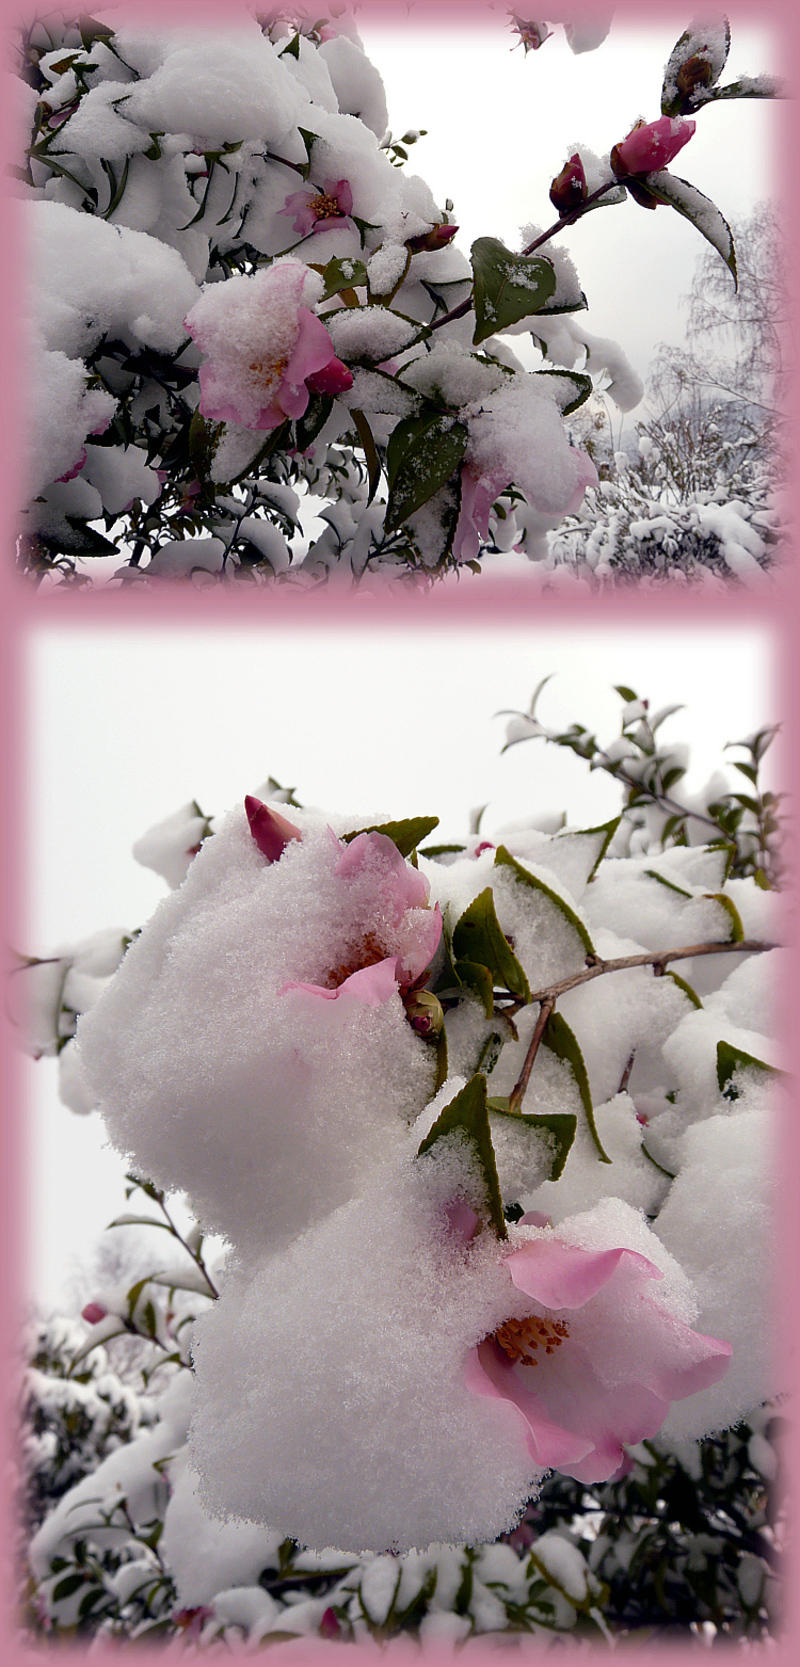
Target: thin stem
<point>597,968</point>
<point>517,1094</point>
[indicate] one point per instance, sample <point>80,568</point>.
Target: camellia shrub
<point>246,314</point>
<point>486,1132</point>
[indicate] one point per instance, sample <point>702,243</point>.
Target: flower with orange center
<point>320,211</point>
<point>266,351</point>
<point>595,1362</point>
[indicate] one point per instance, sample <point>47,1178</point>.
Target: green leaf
<point>365,435</point>
<point>477,936</point>
<point>406,834</point>
<point>86,541</point>
<point>343,272</point>
<point>467,1119</point>
<point>292,48</point>
<point>564,1044</point>
<point>423,452</point>
<point>203,439</point>
<point>65,1588</point>
<point>628,695</point>
<point>651,874</point>
<point>478,979</point>
<point>686,988</point>
<point>574,389</point>
<point>508,287</point>
<point>727,903</point>
<point>688,201</point>
<point>504,859</point>
<point>559,1127</point>
<point>730,1060</point>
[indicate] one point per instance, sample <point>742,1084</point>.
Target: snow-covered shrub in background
<point>244,309</point>
<point>529,1229</point>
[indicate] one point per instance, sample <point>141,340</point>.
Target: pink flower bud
<point>569,187</point>
<point>651,145</point>
<point>334,378</point>
<point>270,831</point>
<point>437,238</point>
<point>93,1313</point>
<point>329,1625</point>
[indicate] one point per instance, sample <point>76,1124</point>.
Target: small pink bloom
<point>262,348</point>
<point>485,845</point>
<point>270,831</point>
<point>334,378</point>
<point>93,1313</point>
<point>478,494</point>
<point>595,1361</point>
<point>651,145</point>
<point>320,211</point>
<point>532,35</point>
<point>400,894</point>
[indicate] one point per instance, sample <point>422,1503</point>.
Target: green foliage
<point>508,287</point>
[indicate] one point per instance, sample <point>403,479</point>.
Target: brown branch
<point>597,968</point>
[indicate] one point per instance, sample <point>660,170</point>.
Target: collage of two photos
<point>400,908</point>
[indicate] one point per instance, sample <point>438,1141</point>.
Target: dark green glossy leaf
<point>467,1119</point>
<point>730,1060</point>
<point>504,859</point>
<point>343,272</point>
<point>423,452</point>
<point>406,834</point>
<point>564,1044</point>
<point>478,979</point>
<point>688,201</point>
<point>559,1128</point>
<point>477,936</point>
<point>508,287</point>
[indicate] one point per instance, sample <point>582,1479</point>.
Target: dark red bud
<point>93,1313</point>
<point>436,238</point>
<point>270,831</point>
<point>569,187</point>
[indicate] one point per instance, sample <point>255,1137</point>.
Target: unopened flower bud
<point>696,72</point>
<point>424,1012</point>
<point>437,238</point>
<point>651,145</point>
<point>569,187</point>
<point>270,831</point>
<point>334,378</point>
<point>93,1313</point>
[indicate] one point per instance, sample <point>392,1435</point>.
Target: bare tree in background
<point>720,405</point>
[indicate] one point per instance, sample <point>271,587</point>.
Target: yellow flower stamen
<point>520,1339</point>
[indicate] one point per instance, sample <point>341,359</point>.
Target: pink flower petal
<point>369,986</point>
<point>564,1276</point>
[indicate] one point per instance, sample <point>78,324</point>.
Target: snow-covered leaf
<point>467,1118</point>
<point>508,287</point>
<point>680,195</point>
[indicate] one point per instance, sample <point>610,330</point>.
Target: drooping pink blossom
<point>401,896</point>
<point>271,831</point>
<point>651,145</point>
<point>594,1361</point>
<point>320,211</point>
<point>263,348</point>
<point>478,493</point>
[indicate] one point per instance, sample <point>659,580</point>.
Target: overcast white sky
<point>127,725</point>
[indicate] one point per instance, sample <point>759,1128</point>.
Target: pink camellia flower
<point>478,493</point>
<point>320,211</point>
<point>265,350</point>
<point>651,145</point>
<point>594,1361</point>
